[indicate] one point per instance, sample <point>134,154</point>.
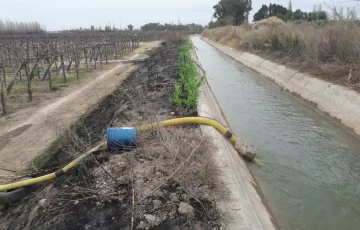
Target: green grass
<point>20,88</point>
<point>59,80</point>
<point>188,83</point>
<point>42,160</point>
<point>10,70</point>
<point>55,88</point>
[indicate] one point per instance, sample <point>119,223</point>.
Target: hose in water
<point>240,146</point>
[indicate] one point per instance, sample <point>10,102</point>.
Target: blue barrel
<point>121,138</point>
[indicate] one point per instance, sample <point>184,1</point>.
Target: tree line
<point>187,28</point>
<point>236,12</point>
<point>11,28</point>
<point>286,14</point>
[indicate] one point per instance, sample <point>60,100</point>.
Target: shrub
<point>334,43</point>
<point>174,38</point>
<point>269,22</point>
<point>332,46</point>
<point>258,38</point>
<point>288,36</point>
<point>218,23</point>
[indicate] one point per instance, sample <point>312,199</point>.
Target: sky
<point>69,14</point>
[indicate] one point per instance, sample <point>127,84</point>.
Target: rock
<point>158,193</point>
<point>157,204</point>
<point>245,149</point>
<point>152,220</point>
<point>172,113</point>
<point>43,203</point>
<point>185,208</point>
<point>174,197</point>
<point>139,183</point>
<point>142,225</point>
<point>185,197</point>
<point>172,213</point>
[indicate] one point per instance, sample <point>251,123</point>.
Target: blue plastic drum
<point>121,138</point>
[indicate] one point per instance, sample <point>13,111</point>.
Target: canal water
<point>311,172</point>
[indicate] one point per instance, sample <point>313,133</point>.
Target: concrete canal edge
<point>242,205</point>
<point>337,101</point>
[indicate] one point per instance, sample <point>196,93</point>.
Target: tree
<point>289,11</point>
<point>351,13</point>
<point>152,26</point>
<point>276,10</point>
<point>107,28</point>
<point>262,13</point>
<point>322,15</point>
<point>189,28</point>
<point>336,10</point>
<point>290,6</point>
<point>297,15</point>
<point>130,27</point>
<point>235,10</point>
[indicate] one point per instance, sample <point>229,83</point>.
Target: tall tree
<point>290,6</point>
<point>235,10</point>
<point>276,10</point>
<point>262,13</point>
<point>130,27</point>
<point>297,15</point>
<point>289,11</point>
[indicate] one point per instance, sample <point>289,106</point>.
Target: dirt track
<point>31,130</point>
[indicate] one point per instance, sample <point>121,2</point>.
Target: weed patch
<point>188,82</point>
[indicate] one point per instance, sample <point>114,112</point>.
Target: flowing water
<point>311,176</point>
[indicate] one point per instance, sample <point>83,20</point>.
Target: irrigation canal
<point>311,175</point>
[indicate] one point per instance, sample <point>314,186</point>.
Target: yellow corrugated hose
<point>190,120</point>
<point>144,128</point>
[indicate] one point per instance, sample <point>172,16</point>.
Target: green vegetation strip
<point>188,82</point>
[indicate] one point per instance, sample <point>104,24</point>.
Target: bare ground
<point>167,182</point>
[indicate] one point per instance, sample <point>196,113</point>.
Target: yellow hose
<point>190,120</point>
<point>141,129</point>
<point>50,176</point>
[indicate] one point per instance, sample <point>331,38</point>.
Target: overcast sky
<point>67,14</point>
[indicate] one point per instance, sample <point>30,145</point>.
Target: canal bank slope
<point>241,202</point>
<point>335,100</point>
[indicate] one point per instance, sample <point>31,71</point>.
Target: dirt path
<point>32,129</point>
